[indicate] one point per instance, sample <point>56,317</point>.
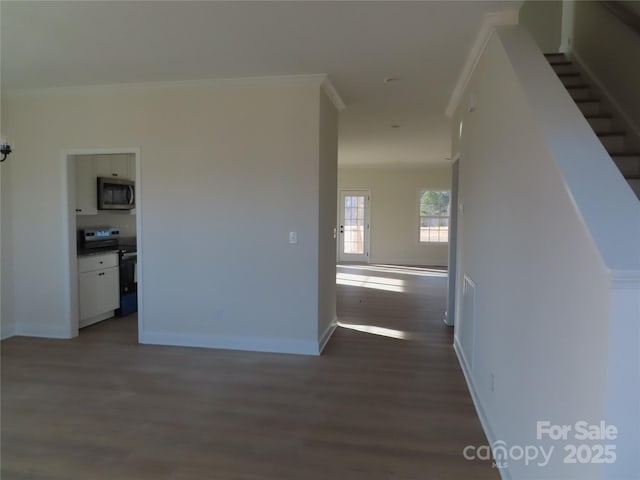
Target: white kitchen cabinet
<point>115,165</point>
<point>98,287</point>
<point>86,187</point>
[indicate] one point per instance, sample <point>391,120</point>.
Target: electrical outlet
<point>293,238</point>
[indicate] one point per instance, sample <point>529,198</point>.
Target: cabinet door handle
<point>101,274</point>
<point>114,174</point>
<point>78,209</point>
<point>100,263</point>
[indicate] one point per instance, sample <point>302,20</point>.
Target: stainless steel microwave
<point>116,194</point>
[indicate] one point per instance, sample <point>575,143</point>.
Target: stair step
<point>612,141</point>
<point>611,134</point>
<point>635,186</point>
<point>571,80</point>
<point>579,92</point>
<point>578,86</point>
<point>563,68</point>
<point>627,163</point>
<point>600,123</point>
<point>589,106</point>
<point>560,62</point>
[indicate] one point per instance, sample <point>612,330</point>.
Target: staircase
<point>614,139</point>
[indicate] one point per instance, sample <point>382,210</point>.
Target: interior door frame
<point>70,235</point>
<point>450,315</point>
<point>367,218</point>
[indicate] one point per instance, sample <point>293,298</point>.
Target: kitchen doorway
<point>100,241</point>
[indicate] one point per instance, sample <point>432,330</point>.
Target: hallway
<point>386,400</point>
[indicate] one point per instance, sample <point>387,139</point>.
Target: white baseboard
<point>484,420</point>
<point>254,344</point>
<point>41,331</point>
<point>7,332</point>
<point>326,336</point>
<point>406,261</point>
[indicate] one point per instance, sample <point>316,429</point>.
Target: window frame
<point>420,193</point>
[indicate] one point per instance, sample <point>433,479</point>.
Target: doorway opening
<point>102,213</point>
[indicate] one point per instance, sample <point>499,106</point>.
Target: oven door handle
<point>130,255</point>
<point>131,195</point>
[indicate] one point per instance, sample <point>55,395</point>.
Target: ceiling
<point>358,44</point>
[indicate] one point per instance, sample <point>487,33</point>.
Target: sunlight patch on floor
<point>417,271</point>
<point>385,332</point>
<point>365,281</point>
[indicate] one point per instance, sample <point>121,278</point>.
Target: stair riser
<point>628,165</point>
<point>600,124</point>
<point>590,108</point>
<point>570,81</point>
<point>635,186</point>
<point>580,93</point>
<point>613,143</point>
<point>564,68</point>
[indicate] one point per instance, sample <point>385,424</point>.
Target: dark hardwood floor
<point>386,400</point>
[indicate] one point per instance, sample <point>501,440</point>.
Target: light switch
<point>293,237</point>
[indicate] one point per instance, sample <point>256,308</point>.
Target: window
<point>434,216</point>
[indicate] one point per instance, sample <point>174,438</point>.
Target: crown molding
<point>332,93</point>
<point>271,80</point>
<point>487,28</point>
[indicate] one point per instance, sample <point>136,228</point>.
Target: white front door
<point>354,226</point>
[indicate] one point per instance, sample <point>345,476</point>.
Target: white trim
<point>43,331</point>
<point>328,333</point>
<point>629,123</point>
<point>330,90</point>
<point>7,332</point>
<point>140,284</point>
<point>273,80</point>
<point>70,277</point>
<point>254,344</point>
<point>486,30</point>
<point>484,419</point>
<point>625,280</point>
<point>566,30</point>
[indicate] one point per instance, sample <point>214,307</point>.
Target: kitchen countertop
<point>88,252</point>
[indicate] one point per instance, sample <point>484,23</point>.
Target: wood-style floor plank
<point>371,407</point>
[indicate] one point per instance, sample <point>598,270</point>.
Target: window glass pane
<point>353,224</point>
<point>434,215</point>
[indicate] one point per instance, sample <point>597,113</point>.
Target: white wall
<point>550,326</point>
<point>227,170</point>
<point>610,50</point>
<point>395,210</point>
<point>328,171</point>
<point>543,20</point>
